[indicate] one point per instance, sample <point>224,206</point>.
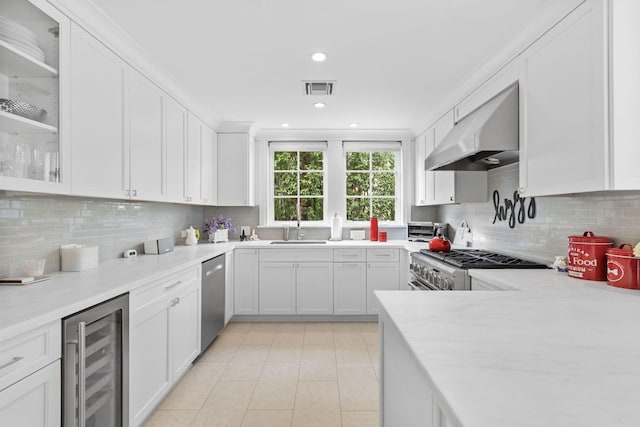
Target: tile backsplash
<point>34,226</point>
<point>612,214</point>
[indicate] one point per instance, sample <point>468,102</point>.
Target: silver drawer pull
<point>385,255</point>
<point>12,361</point>
<point>173,286</point>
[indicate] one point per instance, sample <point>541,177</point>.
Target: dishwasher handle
<point>213,270</point>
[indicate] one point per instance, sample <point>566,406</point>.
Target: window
<point>371,181</point>
<point>298,181</point>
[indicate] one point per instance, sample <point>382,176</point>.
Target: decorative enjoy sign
<point>513,209</point>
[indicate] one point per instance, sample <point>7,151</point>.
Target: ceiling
<point>394,61</point>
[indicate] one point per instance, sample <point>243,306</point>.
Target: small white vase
<point>219,236</point>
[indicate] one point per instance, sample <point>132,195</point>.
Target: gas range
<point>435,271</point>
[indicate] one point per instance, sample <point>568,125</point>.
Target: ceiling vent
<point>318,87</point>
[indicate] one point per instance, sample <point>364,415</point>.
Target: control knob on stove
<point>447,284</point>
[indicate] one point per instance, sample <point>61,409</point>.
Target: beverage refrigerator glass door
<point>95,357</point>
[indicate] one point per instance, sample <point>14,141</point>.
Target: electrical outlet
<point>184,233</point>
<point>246,229</point>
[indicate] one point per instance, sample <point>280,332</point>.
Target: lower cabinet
<point>33,401</point>
<point>314,288</point>
<point>350,288</point>
<point>228,287</point>
<point>164,338</point>
<point>383,274</point>
<point>245,292</point>
<point>277,288</point>
<point>403,382</point>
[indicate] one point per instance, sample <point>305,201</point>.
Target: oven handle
<point>420,286</point>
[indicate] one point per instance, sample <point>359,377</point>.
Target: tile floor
<point>280,374</point>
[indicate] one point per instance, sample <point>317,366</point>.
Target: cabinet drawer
<point>20,356</point>
<point>384,255</point>
<point>349,255</point>
<point>293,255</point>
<point>151,292</point>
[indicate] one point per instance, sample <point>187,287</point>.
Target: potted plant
<point>218,228</point>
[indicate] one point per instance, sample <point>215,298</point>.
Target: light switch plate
<point>246,229</point>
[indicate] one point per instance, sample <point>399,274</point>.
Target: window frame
<point>301,146</point>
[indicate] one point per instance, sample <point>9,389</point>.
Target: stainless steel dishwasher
<point>213,282</point>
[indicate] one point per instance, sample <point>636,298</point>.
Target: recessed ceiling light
<point>318,56</point>
<point>319,104</point>
<point>353,125</point>
<point>285,125</point>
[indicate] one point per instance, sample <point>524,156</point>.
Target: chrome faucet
<point>299,232</point>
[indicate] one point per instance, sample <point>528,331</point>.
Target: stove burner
<point>477,258</point>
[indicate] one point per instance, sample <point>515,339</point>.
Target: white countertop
<point>557,352</point>
<point>26,307</point>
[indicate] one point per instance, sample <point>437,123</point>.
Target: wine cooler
<point>95,366</point>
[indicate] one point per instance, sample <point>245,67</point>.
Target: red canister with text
<point>623,268</point>
<point>588,256</point>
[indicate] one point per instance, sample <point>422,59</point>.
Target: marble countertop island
<point>555,352</point>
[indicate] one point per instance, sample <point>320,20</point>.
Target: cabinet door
<point>277,288</point>
<point>245,292</point>
<point>208,166</point>
<point>175,142</point>
<point>314,288</point>
<point>563,94</point>
<point>150,362</point>
<point>350,288</point>
<point>143,102</point>
<point>235,176</point>
<point>443,181</point>
<point>34,401</point>
<point>228,287</point>
<point>192,175</point>
<point>420,156</point>
<point>98,148</point>
<point>380,277</point>
<point>185,328</point>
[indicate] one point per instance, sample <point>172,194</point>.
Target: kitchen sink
<point>298,242</point>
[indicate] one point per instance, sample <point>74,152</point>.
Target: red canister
<point>588,256</point>
<point>373,229</point>
<point>623,269</point>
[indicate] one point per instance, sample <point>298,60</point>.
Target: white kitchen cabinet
<point>383,273</point>
<point>209,166</point>
<point>98,147</point>
<point>245,291</point>
<point>446,187</point>
<point>44,163</point>
<point>277,288</point>
<point>403,382</point>
<point>228,286</point>
<point>314,288</point>
<point>236,166</point>
<point>564,140</point>
<point>143,110</point>
<point>381,276</point>
<point>193,159</point>
<point>34,401</point>
<point>175,125</point>
<point>420,153</point>
<point>499,81</point>
<point>164,338</point>
<point>350,288</point>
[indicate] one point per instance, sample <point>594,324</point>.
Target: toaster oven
<point>423,231</point>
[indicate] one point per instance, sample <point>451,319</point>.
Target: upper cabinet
<point>175,131</point>
<point>235,169</point>
<point>97,107</point>
<point>209,166</point>
<point>193,156</point>
<point>34,80</point>
<point>445,187</point>
<point>564,142</point>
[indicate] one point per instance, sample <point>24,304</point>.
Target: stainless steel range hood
<point>485,139</point>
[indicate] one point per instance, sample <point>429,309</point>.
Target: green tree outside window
<point>371,185</point>
<point>298,177</point>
